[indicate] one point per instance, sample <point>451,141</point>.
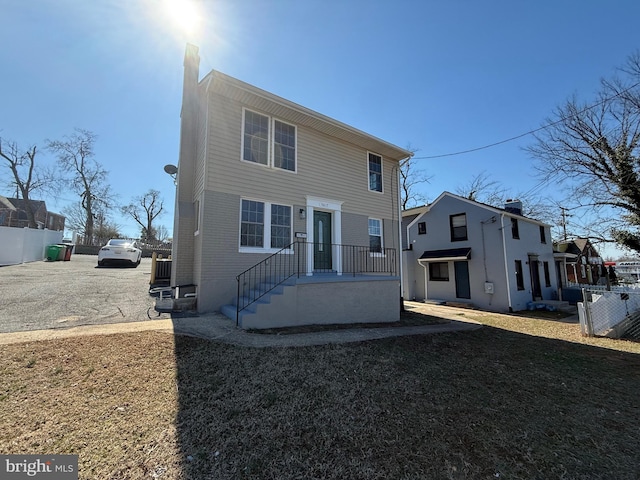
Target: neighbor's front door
<point>463,287</point>
<point>534,271</point>
<point>321,240</point>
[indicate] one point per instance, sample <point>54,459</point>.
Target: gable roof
<point>577,246</point>
<point>5,203</point>
<point>490,208</point>
<point>20,204</point>
<point>415,210</point>
<point>227,86</point>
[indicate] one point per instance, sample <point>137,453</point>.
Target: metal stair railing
<point>255,282</point>
<point>260,279</point>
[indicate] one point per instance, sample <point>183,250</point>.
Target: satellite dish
<point>171,169</point>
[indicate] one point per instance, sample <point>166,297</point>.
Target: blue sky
<point>439,76</point>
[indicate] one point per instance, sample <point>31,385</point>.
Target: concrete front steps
<point>265,298</point>
<point>559,305</point>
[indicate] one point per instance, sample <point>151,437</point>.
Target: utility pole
<point>564,221</point>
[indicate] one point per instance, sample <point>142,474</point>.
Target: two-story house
<point>283,216</point>
<point>13,213</point>
<point>459,250</point>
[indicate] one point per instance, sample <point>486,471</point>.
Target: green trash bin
<point>53,252</point>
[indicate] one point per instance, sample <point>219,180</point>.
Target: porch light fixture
<point>303,214</point>
<point>172,170</point>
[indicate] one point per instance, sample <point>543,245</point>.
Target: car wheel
<point>101,263</point>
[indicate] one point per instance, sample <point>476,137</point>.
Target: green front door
<point>463,287</point>
<point>321,240</point>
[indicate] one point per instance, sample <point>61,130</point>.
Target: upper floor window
<point>515,233</point>
<point>458,224</point>
<point>543,236</point>
<point>264,225</point>
<point>375,172</point>
<point>422,228</point>
<point>268,141</point>
<point>375,235</point>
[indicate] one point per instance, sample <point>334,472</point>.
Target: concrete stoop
<point>264,299</point>
<point>559,305</point>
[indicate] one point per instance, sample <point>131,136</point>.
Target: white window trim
<point>266,239</point>
<point>271,142</point>
<point>335,208</point>
<point>381,173</point>
<point>377,254</point>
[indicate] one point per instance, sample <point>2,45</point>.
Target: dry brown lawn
<point>522,398</point>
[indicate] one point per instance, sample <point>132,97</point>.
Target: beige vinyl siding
<point>326,167</point>
<point>219,240</point>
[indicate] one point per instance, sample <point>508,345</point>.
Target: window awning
<point>446,255</point>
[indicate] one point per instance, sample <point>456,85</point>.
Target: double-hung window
<point>280,226</point>
<point>264,226</point>
<point>515,232</point>
<point>268,141</point>
<point>375,172</point>
<point>458,225</point>
<point>543,236</point>
<point>375,235</point>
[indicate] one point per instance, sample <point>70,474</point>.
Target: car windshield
<point>119,243</point>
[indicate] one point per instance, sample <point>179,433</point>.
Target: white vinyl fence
<point>614,313</point>
<point>21,245</point>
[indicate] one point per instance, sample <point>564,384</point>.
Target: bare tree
<point>25,178</point>
<point>103,228</point>
<point>594,150</point>
<point>162,234</point>
<point>482,188</point>
<point>411,178</point>
<point>145,210</point>
<point>87,177</point>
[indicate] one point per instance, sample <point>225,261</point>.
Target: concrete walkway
<point>219,328</point>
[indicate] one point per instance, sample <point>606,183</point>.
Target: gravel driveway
<point>45,295</point>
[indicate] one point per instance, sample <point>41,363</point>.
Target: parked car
<point>118,250</point>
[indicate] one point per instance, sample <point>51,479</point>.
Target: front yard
<point>521,398</point>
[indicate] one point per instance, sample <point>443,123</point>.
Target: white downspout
<point>425,279</point>
<point>400,237</point>
<point>506,267</point>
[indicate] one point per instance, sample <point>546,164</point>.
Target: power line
<point>530,132</point>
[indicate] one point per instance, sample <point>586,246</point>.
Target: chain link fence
<point>611,313</point>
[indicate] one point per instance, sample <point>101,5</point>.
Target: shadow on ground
<point>484,404</point>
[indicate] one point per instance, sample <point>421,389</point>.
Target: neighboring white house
<point>459,250</point>
<point>283,216</point>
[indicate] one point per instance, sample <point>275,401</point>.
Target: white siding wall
<point>487,262</point>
